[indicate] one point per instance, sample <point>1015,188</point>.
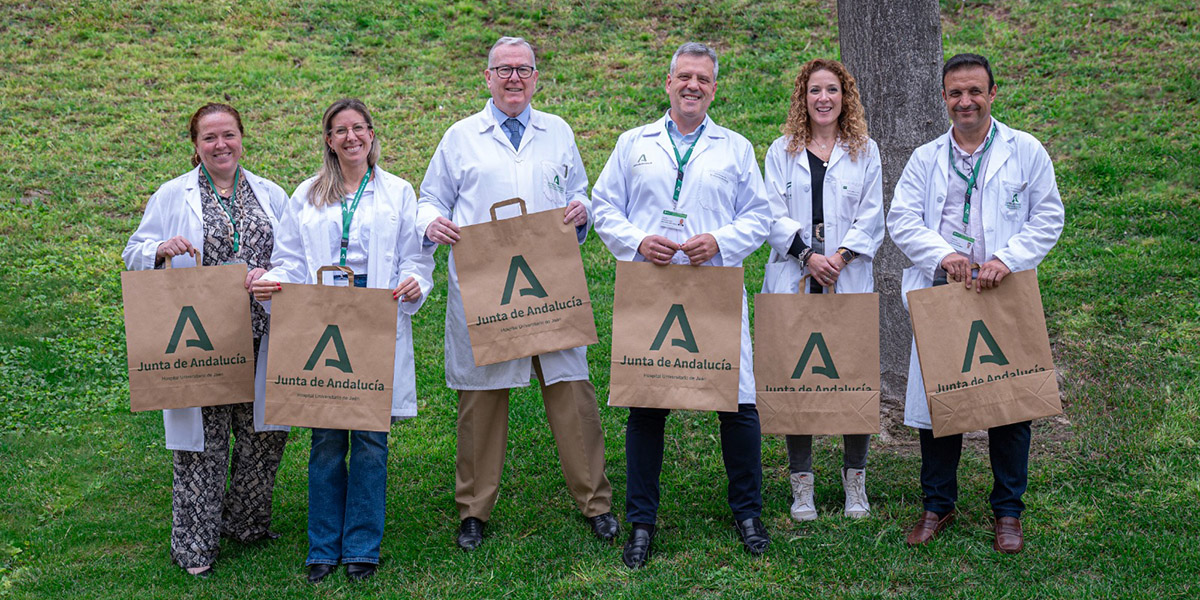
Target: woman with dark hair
<point>825,186</point>
<point>228,214</point>
<point>354,214</point>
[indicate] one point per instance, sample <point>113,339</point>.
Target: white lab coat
<point>853,207</point>
<point>474,167</point>
<point>722,194</point>
<point>1022,216</point>
<point>309,238</point>
<point>175,210</point>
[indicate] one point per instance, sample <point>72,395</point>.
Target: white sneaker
<point>803,508</point>
<point>854,481</point>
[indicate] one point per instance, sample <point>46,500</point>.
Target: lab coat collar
<point>488,121</point>
<point>1000,151</point>
<point>658,131</point>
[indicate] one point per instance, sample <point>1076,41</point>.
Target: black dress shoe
<point>605,526</point>
<point>470,533</point>
<point>637,547</point>
<point>360,571</point>
<point>319,571</point>
<point>754,535</point>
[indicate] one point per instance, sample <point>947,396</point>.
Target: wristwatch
<point>847,254</point>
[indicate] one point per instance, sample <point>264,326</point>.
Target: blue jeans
<point>346,506</point>
<point>1008,448</point>
<point>741,445</point>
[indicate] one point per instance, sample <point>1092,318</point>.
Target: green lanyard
<point>682,160</point>
<point>348,215</point>
<point>237,238</point>
<point>974,173</point>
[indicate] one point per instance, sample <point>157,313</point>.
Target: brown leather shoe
<point>927,527</point>
<point>1009,537</point>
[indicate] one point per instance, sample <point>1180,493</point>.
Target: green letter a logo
<point>980,331</point>
<point>342,362</point>
<point>188,315</point>
<point>687,342</point>
<point>816,341</point>
<point>535,288</point>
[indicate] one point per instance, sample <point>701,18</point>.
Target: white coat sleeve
<point>866,227</point>
<point>142,248</point>
<point>439,189</point>
<point>783,227</point>
<point>1046,214</point>
<point>906,219</point>
<point>288,264</point>
<point>610,201</point>
<point>577,183</point>
<point>412,260</point>
<point>751,214</point>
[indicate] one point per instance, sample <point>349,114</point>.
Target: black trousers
<point>741,449</point>
<point>1008,448</point>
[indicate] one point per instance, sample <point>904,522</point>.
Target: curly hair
<point>852,123</point>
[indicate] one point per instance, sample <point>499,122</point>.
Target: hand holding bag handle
<point>167,262</point>
<point>511,201</point>
<point>804,281</point>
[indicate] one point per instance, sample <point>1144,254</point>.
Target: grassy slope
<point>95,103</point>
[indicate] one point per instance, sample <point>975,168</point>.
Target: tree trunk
<point>894,50</point>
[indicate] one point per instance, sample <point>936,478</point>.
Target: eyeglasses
<point>359,129</point>
<point>504,72</point>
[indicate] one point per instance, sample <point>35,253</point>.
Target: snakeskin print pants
<point>202,511</point>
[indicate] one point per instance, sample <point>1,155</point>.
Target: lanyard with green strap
<point>348,215</point>
<point>237,238</point>
<point>681,161</point>
<point>974,172</point>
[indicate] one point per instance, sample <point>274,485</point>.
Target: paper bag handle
<point>509,202</point>
<point>167,261</point>
<point>804,281</point>
<point>336,268</point>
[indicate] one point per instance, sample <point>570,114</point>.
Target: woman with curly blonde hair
<point>825,187</point>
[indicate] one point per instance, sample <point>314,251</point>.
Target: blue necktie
<point>513,127</point>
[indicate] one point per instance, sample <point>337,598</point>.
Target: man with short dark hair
<point>980,194</point>
<point>511,150</point>
<point>685,190</point>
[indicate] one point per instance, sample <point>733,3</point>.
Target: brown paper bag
<point>816,362</point>
<point>523,288</point>
<point>333,355</point>
<point>188,337</point>
<point>677,334</point>
<point>985,357</point>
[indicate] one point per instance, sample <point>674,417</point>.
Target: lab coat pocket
<point>850,193</point>
<point>717,190</point>
<point>1015,203</point>
<point>554,183</point>
<point>782,277</point>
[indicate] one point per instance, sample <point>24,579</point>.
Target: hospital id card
<point>961,242</point>
<point>673,220</point>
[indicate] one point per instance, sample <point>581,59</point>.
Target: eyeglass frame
<point>512,70</point>
<point>367,127</point>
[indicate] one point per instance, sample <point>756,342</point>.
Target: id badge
<point>673,220</point>
<point>236,261</point>
<point>961,243</point>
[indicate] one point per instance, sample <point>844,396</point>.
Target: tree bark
<point>894,51</point>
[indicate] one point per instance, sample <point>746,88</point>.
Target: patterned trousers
<point>202,511</point>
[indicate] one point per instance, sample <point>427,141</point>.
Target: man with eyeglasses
<point>509,150</point>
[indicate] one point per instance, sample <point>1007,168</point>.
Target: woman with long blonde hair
<point>353,214</point>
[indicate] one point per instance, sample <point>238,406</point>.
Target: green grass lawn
<point>94,103</point>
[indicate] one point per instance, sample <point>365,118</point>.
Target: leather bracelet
<point>805,255</point>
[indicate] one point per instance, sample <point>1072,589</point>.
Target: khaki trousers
<point>483,438</point>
